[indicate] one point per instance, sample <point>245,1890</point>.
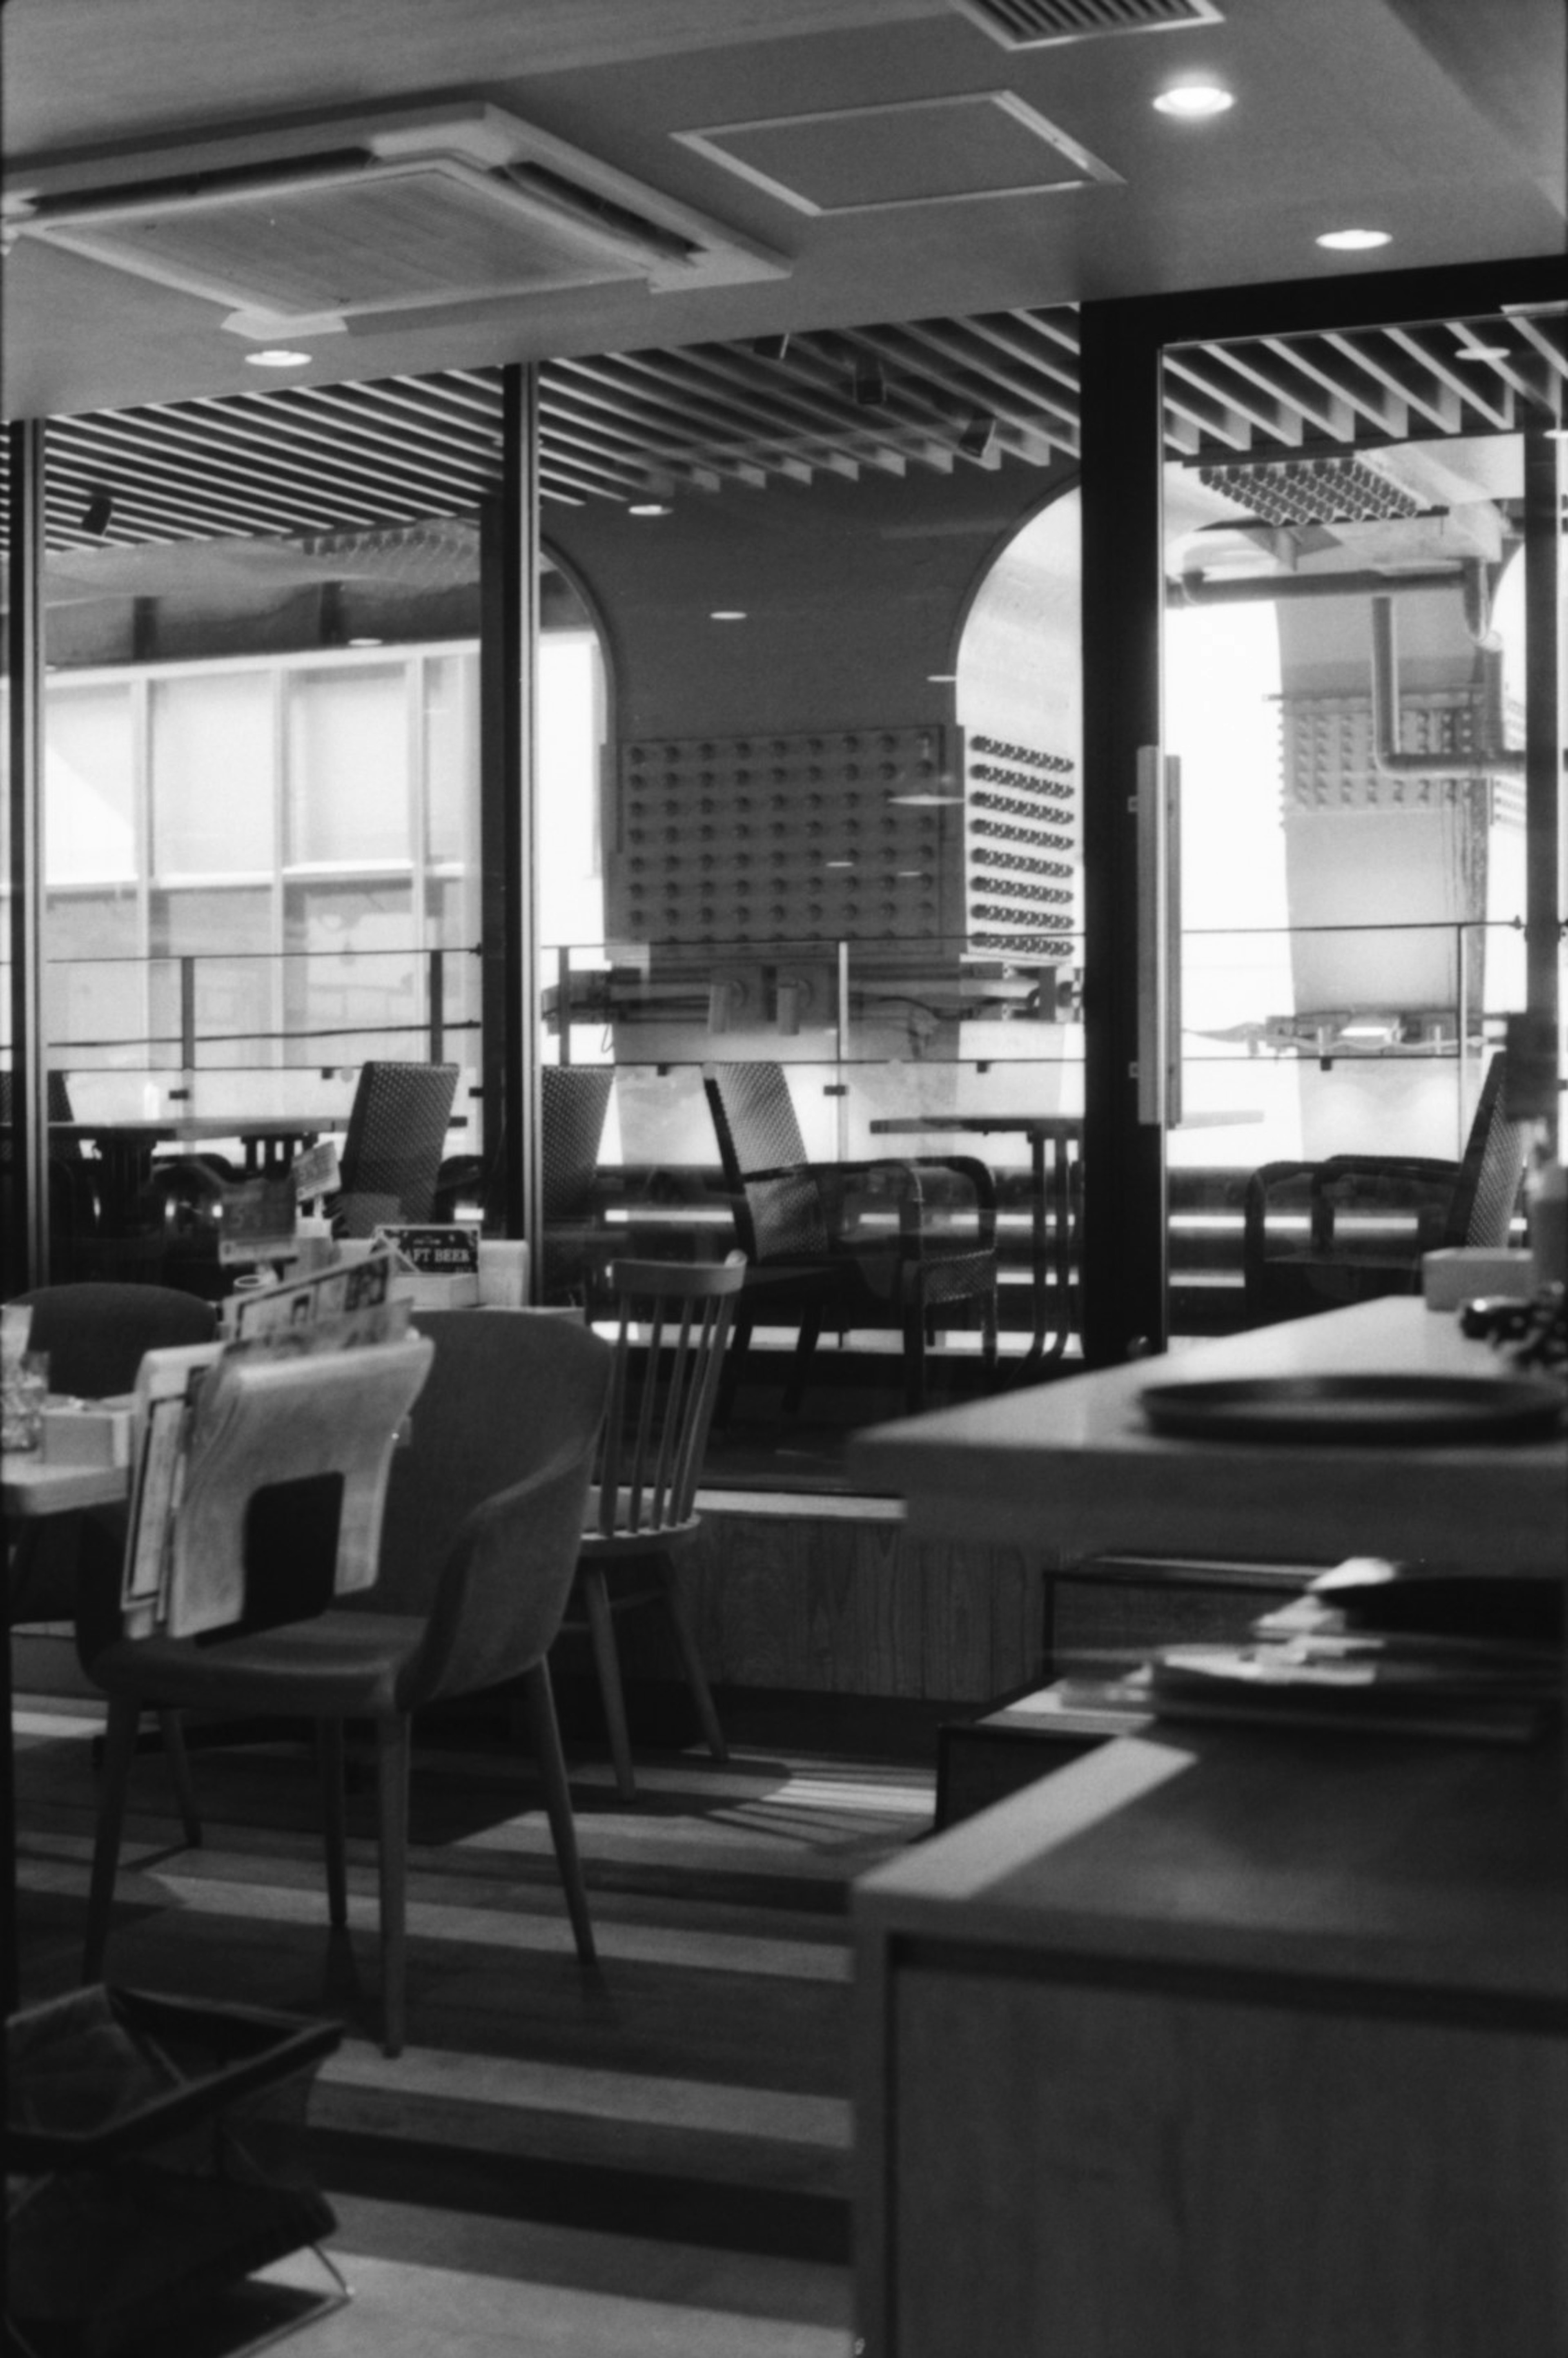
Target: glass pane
<point>353,979</point>
<point>1343,675</point>
<point>213,785</point>
<point>233,993</point>
<point>89,793</point>
<point>348,764</point>
<point>451,756</point>
<point>94,984</point>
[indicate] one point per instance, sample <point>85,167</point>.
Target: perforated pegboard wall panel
<point>837,835</point>
<point>1326,749</point>
<point>1025,848</point>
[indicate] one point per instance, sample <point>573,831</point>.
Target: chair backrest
<point>656,1428</point>
<point>486,1499</point>
<point>1491,1170</point>
<point>575,1099</point>
<point>98,1333</point>
<point>779,1217</point>
<point>392,1153</point>
<point>57,1097</point>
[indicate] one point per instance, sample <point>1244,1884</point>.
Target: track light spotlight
<point>976,439</point>
<point>97,513</point>
<point>871,385</point>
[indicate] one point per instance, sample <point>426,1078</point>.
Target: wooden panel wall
<point>832,1596</point>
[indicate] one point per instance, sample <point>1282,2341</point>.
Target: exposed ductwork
<point>1488,754</point>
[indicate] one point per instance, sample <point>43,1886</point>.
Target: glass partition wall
<point>830,733</point>
<point>261,871</point>
<point>1347,660</point>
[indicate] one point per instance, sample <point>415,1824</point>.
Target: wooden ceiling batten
<point>1468,385</point>
<point>1388,413</point>
<point>760,412</point>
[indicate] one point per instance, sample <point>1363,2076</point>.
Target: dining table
<point>1239,2038</point>
<point>124,1148</point>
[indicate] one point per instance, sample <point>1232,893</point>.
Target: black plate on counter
<point>1375,1410</point>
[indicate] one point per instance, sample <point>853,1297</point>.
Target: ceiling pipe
<point>1193,590</point>
<point>1489,752</point>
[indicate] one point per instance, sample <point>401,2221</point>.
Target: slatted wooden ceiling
<point>654,425</point>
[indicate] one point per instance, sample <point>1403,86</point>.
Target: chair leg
<point>697,1679</point>
<point>392,1749</point>
<point>329,1762</point>
<point>119,1752</point>
<point>607,1661</point>
<point>734,1360</point>
<point>546,1734</point>
<point>173,1733</point>
<point>915,1362</point>
<point>800,1366</point>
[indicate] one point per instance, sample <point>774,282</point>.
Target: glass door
<point>1354,629</point>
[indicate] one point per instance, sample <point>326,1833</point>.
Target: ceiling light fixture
<point>648,507</point>
<point>1353,240</point>
<point>942,678</point>
<point>366,642</point>
<point>871,385</point>
<point>1484,352</point>
<point>277,356</point>
<point>978,435</point>
<point>728,614</point>
<point>1192,99</point>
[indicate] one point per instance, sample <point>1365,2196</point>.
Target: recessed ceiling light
<point>277,356</point>
<point>942,678</point>
<point>1192,98</point>
<point>838,863</point>
<point>728,614</point>
<point>925,802</point>
<point>1353,240</point>
<point>1483,352</point>
<point>366,642</point>
<point>648,507</point>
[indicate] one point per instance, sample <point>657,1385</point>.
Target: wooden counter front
<point>1224,2047</point>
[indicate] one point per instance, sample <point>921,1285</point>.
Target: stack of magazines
<point>182,1398</point>
<point>1388,1648</point>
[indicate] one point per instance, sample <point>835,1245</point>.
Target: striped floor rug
<point>652,2159</point>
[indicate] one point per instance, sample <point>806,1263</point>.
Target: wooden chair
<point>642,1511</point>
<point>911,1245</point>
<point>474,1557</point>
<point>1320,1262</point>
<point>393,1150</point>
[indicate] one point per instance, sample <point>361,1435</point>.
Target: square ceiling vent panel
<point>369,214</point>
<point>923,152</point>
<point>421,234</point>
<point>1038,24</point>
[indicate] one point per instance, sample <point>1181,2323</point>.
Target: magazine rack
<point>136,2201</point>
<point>276,1423</point>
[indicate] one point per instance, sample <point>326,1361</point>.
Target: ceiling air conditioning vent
<point>1035,24</point>
<point>392,214</point>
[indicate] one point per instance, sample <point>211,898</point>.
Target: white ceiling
<point>1440,121</point>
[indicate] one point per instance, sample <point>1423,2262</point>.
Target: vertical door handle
<point>1157,810</point>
